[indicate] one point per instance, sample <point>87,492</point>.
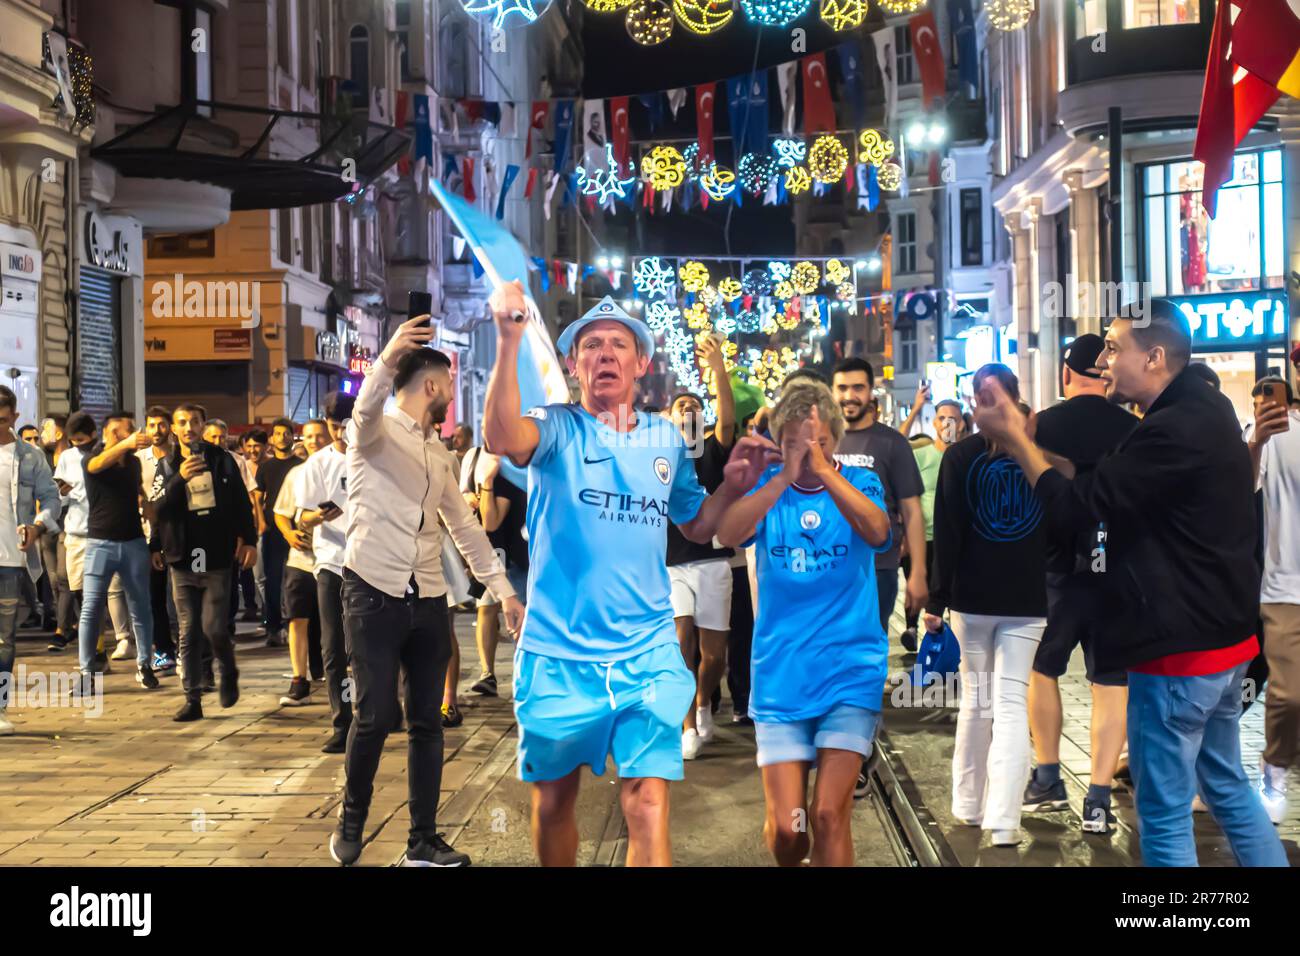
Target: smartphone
<point>419,303</point>
<point>1275,394</point>
<point>327,505</point>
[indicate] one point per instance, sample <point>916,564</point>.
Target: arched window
<point>359,52</point>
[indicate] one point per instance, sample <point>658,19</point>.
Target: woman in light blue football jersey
<point>819,653</point>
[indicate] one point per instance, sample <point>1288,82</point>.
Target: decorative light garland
<point>606,6</point>
<point>789,152</point>
<point>797,180</point>
<point>844,14</point>
<point>517,12</point>
<point>718,183</point>
<point>709,296</point>
<point>806,277</point>
<point>773,13</point>
<point>827,159</point>
<point>664,168</point>
<point>1008,15</point>
<point>756,172</point>
<point>748,321</point>
<point>889,176</point>
<point>697,316</point>
<point>779,270</point>
<point>659,315</point>
<point>836,271</point>
<point>783,290</point>
<point>703,17</point>
<point>874,147</point>
<point>654,278</point>
<point>757,282</point>
<point>730,289</point>
<point>604,183</point>
<point>846,292</point>
<point>901,6</point>
<point>694,275</point>
<point>649,22</point>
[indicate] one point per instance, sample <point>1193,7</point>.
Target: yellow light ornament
<point>787,320</point>
<point>1008,14</point>
<point>845,292</point>
<point>889,176</point>
<point>694,275</point>
<point>874,147</point>
<point>606,6</point>
<point>805,278</point>
<point>901,6</point>
<point>784,290</point>
<point>664,168</point>
<point>718,182</point>
<point>797,180</point>
<point>709,296</point>
<point>697,316</point>
<point>844,14</point>
<point>730,289</point>
<point>836,271</point>
<point>649,22</point>
<point>827,159</point>
<point>703,17</point>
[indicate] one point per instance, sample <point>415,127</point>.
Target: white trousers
<point>990,761</point>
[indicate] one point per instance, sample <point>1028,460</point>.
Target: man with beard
<point>155,469</point>
<point>275,550</point>
<point>401,479</point>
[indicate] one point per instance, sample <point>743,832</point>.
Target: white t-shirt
<point>76,511</point>
<point>1279,479</point>
<point>287,503</point>
<point>11,556</point>
<point>324,478</point>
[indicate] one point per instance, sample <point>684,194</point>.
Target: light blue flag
<point>541,379</point>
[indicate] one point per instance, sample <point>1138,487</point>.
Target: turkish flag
<point>532,182</point>
<point>1230,106</point>
<point>618,129</point>
<point>1266,42</point>
<point>929,57</point>
<point>468,177</point>
<point>541,108</point>
<point>818,110</point>
<point>706,95</point>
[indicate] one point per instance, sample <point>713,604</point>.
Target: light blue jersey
<point>817,636</point>
<point>599,503</point>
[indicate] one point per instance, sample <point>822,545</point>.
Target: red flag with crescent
<point>468,178</point>
<point>618,129</point>
<point>541,108</point>
<point>706,95</point>
<point>818,110</point>
<point>929,57</point>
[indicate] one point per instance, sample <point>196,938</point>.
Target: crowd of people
<point>659,556</point>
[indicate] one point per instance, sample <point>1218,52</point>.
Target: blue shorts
<point>843,727</point>
<point>572,713</point>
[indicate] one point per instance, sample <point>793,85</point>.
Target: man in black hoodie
<point>1182,580</point>
<point>205,524</point>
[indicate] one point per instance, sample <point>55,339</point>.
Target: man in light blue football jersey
<point>599,670</point>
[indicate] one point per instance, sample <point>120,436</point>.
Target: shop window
<point>1159,13</point>
<point>903,58</point>
<point>905,241</point>
<point>359,59</point>
<point>972,228</point>
<point>1187,253</point>
<point>404,38</point>
<point>907,348</point>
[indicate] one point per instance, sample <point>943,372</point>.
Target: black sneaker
<point>1097,817</point>
<point>1040,799</point>
<point>299,693</point>
<point>318,677</point>
<point>433,851</point>
<point>229,687</point>
<point>486,685</point>
<point>908,640</point>
<point>57,643</point>
<point>337,744</point>
<point>191,710</point>
<point>451,715</point>
<point>346,840</point>
<point>276,639</point>
<point>144,676</point>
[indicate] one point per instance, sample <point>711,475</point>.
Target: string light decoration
<point>703,17</point>
<point>784,290</point>
<point>691,156</point>
<point>889,176</point>
<point>730,289</point>
<point>1008,15</point>
<point>697,316</point>
<point>709,296</point>
<point>787,320</point>
<point>874,147</point>
<point>604,183</point>
<point>827,159</point>
<point>757,282</point>
<point>756,172</point>
<point>748,321</point>
<point>726,324</point>
<point>845,292</point>
<point>805,278</point>
<point>506,13</point>
<point>718,183</point>
<point>660,315</point>
<point>606,6</point>
<point>836,271</point>
<point>654,278</point>
<point>844,14</point>
<point>901,6</point>
<point>649,22</point>
<point>778,270</point>
<point>694,276</point>
<point>797,180</point>
<point>773,13</point>
<point>664,168</point>
<point>789,152</point>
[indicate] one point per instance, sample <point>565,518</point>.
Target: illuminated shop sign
<point>1235,318</point>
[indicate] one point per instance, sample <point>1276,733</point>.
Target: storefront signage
<point>108,243</point>
<point>225,341</point>
<point>329,348</point>
<point>360,361</point>
<point>19,262</point>
<point>1232,319</point>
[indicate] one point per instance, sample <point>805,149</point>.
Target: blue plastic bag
<point>938,657</point>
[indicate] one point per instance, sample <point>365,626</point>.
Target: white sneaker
<point>704,723</point>
<point>123,650</point>
<point>6,728</point>
<point>1272,790</point>
<point>1199,805</point>
<point>1006,837</point>
<point>691,745</point>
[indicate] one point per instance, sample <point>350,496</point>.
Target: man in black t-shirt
<point>700,574</point>
<point>275,550</point>
<point>115,542</point>
<point>1080,430</point>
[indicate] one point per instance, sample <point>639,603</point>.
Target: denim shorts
<point>843,727</point>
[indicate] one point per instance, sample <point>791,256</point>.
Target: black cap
<point>1081,355</point>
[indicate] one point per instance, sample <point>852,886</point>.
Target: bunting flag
<point>849,56</point>
<point>537,121</point>
<point>467,180</point>
<point>929,58</point>
<point>618,114</point>
<point>705,104</point>
<point>934,167</point>
<point>747,105</point>
<point>676,99</point>
<point>530,183</point>
<point>818,110</point>
<point>961,20</point>
<point>785,81</point>
<point>423,128</point>
<point>511,172</point>
<point>884,43</point>
<point>594,133</point>
<point>563,129</point>
<point>654,106</point>
<point>549,202</point>
<point>473,109</point>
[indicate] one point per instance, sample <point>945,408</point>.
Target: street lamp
<point>938,133</point>
<point>616,262</point>
<point>916,133</point>
<point>602,262</point>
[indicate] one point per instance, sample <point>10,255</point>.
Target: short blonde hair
<point>797,401</point>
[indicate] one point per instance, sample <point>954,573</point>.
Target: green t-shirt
<point>927,460</point>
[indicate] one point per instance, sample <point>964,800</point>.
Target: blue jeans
<point>130,561</point>
<point>10,589</point>
<point>1183,738</point>
<point>887,594</point>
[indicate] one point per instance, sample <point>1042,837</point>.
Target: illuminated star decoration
<point>773,13</point>
<point>844,14</point>
<point>654,279</point>
<point>719,182</point>
<point>778,270</point>
<point>827,159</point>
<point>797,180</point>
<point>501,11</point>
<point>790,152</point>
<point>604,183</point>
<point>664,168</point>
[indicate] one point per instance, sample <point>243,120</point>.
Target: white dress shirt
<point>400,481</point>
<point>324,478</point>
<point>76,509</point>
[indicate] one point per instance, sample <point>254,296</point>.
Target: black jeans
<point>275,552</point>
<point>385,635</point>
<point>164,638</point>
<point>201,598</point>
<point>51,587</point>
<point>740,640</point>
<point>248,585</point>
<point>67,604</point>
<point>915,615</point>
<point>329,599</point>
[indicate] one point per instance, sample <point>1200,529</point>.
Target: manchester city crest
<point>663,470</point>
